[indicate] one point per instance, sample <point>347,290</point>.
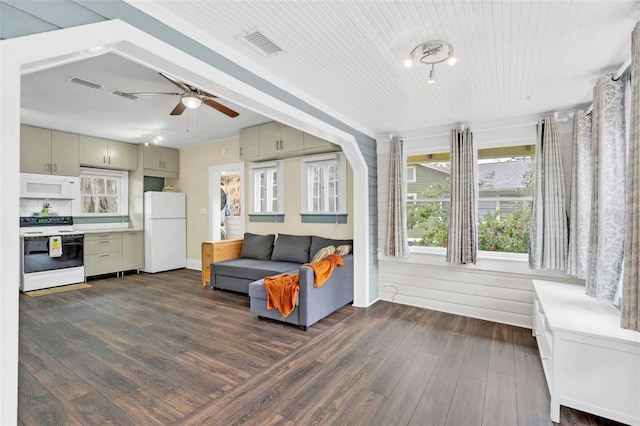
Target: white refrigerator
<point>165,231</point>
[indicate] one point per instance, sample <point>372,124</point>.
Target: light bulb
<point>432,75</point>
<point>452,60</point>
<point>408,63</point>
<point>191,101</point>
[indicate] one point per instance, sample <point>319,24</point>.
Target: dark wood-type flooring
<point>159,349</point>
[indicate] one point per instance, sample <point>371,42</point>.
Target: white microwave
<point>49,186</point>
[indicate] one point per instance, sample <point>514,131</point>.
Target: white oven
<point>52,252</point>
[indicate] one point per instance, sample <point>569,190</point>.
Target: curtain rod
<point>616,76</point>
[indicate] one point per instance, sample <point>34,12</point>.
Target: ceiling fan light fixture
<point>191,101</point>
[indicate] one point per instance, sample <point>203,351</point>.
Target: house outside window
<point>265,188</point>
<point>411,173</point>
<point>103,192</point>
<point>505,191</point>
<point>323,184</point>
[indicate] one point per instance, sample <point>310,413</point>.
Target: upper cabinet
<point>107,154</point>
<point>161,162</point>
<point>48,152</point>
<point>275,140</point>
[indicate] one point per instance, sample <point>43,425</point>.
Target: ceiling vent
<point>124,95</point>
<point>85,83</point>
<point>258,40</point>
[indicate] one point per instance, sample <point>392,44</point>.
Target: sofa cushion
<point>257,246</point>
<point>318,243</point>
<point>291,248</point>
<point>251,269</point>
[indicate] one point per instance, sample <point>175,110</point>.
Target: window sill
<point>511,263</point>
<point>266,217</point>
<point>323,218</point>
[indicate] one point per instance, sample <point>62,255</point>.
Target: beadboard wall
<point>497,288</point>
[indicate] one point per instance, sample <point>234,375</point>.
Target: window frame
<point>278,167</point>
<point>411,177</point>
<point>123,191</point>
<point>341,177</point>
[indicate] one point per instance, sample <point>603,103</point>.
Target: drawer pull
<point>104,255</point>
<point>104,241</point>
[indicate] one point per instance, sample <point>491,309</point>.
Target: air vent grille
<point>124,95</point>
<point>85,83</point>
<point>261,42</point>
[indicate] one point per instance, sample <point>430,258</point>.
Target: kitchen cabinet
<point>276,141</point>
<point>47,151</point>
<point>161,162</point>
<point>113,252</point>
<point>107,154</point>
<point>132,250</point>
<point>102,253</point>
<point>215,251</point>
<point>590,363</point>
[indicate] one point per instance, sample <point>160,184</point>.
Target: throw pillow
<point>322,253</point>
<point>257,246</point>
<point>291,248</point>
<point>319,242</point>
<point>343,250</point>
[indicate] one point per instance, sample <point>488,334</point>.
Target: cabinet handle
<point>109,159</point>
<point>104,241</point>
<point>104,158</point>
<point>240,151</point>
<point>47,167</point>
<point>104,255</point>
<point>160,164</point>
<point>55,168</point>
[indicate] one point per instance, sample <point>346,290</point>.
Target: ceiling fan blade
<point>177,83</point>
<point>223,109</point>
<point>151,93</point>
<point>179,109</point>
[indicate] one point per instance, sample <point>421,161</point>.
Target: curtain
<point>548,236</point>
<point>607,233</point>
<point>396,223</point>
<point>580,210</point>
<point>631,277</point>
<point>462,238</point>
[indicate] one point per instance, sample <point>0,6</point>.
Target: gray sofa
<point>263,256</point>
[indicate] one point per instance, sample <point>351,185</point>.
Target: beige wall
<point>292,222</point>
<point>194,181</point>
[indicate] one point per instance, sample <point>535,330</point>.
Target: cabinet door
<point>250,142</point>
<point>119,155</point>
<point>64,154</point>
<point>35,150</point>
<point>152,157</point>
<point>269,139</point>
<point>92,151</point>
<point>290,139</point>
<point>170,160</point>
<point>132,251</point>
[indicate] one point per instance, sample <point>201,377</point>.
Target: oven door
<point>36,258</point>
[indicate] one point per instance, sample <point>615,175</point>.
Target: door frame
<point>215,174</point>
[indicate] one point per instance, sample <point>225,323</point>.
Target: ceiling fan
<point>191,97</point>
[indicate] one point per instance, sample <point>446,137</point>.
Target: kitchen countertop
<point>111,230</point>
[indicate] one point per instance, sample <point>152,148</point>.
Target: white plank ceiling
<point>515,58</point>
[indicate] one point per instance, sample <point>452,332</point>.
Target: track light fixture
<point>431,53</point>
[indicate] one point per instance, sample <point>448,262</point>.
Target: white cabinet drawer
<point>103,245</point>
<point>102,263</point>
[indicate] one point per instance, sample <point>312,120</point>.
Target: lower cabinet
<point>112,252</point>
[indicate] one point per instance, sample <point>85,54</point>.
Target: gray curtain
<point>396,224</point>
<point>580,211</point>
<point>607,233</point>
<point>631,277</point>
<point>549,235</point>
<point>462,237</point>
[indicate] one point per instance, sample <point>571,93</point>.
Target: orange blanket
<point>323,268</point>
<point>282,291</point>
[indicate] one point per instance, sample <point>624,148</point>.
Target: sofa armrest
<point>317,302</point>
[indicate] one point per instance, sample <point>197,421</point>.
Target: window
<point>323,184</point>
<point>411,173</point>
<point>265,188</point>
<point>505,193</point>
<point>103,192</point>
<point>428,200</point>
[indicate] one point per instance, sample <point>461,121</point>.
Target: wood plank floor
<point>159,349</point>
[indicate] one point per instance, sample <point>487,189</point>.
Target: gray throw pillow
<point>257,246</point>
<point>291,248</point>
